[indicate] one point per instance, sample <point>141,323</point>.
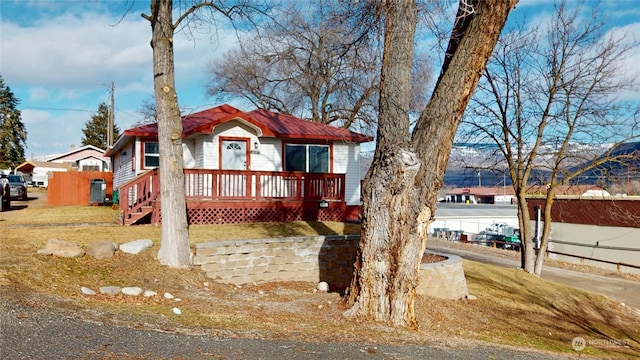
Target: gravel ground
<point>38,333</point>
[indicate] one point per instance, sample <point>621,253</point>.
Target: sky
<point>59,58</point>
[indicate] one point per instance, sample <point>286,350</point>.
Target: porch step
<point>137,216</point>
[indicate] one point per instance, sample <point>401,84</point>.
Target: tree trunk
<point>385,274</point>
<point>174,245</point>
<point>546,233</point>
<point>527,251</point>
<point>400,190</point>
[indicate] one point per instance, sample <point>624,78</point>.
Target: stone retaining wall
<point>307,258</point>
<point>313,259</point>
<point>443,279</point>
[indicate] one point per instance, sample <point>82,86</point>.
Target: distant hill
<point>614,170</point>
<point>465,156</point>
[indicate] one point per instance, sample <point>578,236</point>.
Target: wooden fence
<point>74,187</point>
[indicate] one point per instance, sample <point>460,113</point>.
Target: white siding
<point>199,152</point>
<point>270,156</point>
<point>122,167</point>
<point>188,153</point>
<point>346,160</point>
<point>91,162</point>
<point>208,153</point>
<point>234,129</point>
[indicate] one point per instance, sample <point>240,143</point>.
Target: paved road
<point>34,333</point>
<point>624,291</point>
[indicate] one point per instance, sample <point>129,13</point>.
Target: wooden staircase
<point>138,197</point>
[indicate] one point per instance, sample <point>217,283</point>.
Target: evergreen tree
<point>95,130</point>
<point>13,134</point>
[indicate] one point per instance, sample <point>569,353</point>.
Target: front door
<point>234,157</point>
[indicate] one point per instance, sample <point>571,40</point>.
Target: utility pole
<point>110,125</point>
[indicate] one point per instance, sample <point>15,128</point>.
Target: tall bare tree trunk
<point>385,278</point>
<point>174,246</point>
<point>545,234</point>
<point>527,235</point>
<point>400,191</point>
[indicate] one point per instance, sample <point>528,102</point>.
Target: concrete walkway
<point>621,290</point>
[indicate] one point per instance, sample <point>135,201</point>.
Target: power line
<point>53,109</point>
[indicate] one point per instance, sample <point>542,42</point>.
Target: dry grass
<point>512,309</point>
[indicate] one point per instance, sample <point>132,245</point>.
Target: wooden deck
<point>236,196</point>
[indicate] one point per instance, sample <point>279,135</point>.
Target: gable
<point>80,153</point>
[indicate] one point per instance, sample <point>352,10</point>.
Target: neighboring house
<point>244,167</point>
<point>506,194</point>
<point>480,195</point>
<point>38,173</point>
<point>602,232</point>
<point>86,158</point>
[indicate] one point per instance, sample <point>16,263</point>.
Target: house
<point>597,231</point>
<point>245,167</point>
<point>506,194</point>
<point>85,158</point>
<point>481,195</point>
<point>39,172</point>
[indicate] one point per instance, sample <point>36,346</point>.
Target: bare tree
<point>174,246</point>
<point>548,95</point>
<point>400,189</point>
<point>148,112</point>
<point>318,60</point>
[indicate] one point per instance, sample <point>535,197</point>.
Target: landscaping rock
<point>64,249</point>
<point>322,286</point>
<point>87,291</point>
<point>101,249</point>
<point>149,293</point>
<point>132,291</point>
<point>136,246</point>
<point>110,290</point>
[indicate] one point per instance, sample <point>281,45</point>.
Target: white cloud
<point>71,51</point>
<point>65,56</point>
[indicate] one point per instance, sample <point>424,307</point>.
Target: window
<point>151,155</point>
<point>307,158</point>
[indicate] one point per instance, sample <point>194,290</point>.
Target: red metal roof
<point>270,123</point>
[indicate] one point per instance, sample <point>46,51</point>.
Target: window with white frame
<point>307,158</point>
<point>151,155</point>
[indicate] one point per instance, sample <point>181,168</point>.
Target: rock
<point>110,290</point>
<point>87,291</point>
<point>44,252</point>
<point>471,297</point>
<point>132,291</point>
<point>136,246</point>
<point>177,311</point>
<point>101,249</point>
<point>64,249</point>
<point>168,296</point>
<point>149,293</point>
<point>322,286</point>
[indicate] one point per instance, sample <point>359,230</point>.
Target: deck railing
<point>203,184</point>
<point>231,185</point>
